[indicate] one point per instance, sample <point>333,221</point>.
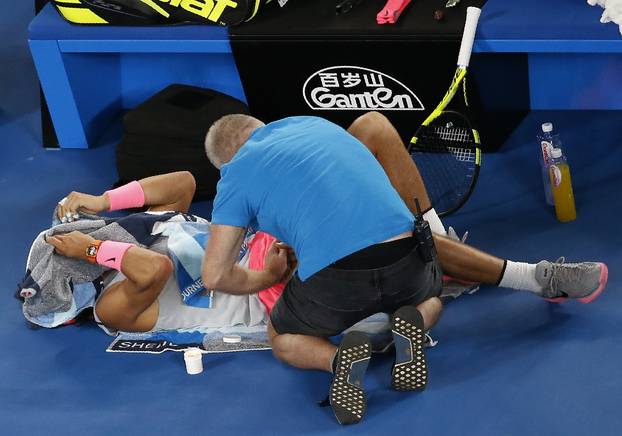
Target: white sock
<point>435,222</point>
<point>520,275</point>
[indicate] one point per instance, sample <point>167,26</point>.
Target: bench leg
<point>57,89</point>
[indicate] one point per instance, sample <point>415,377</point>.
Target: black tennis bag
<point>167,132</point>
<point>159,12</point>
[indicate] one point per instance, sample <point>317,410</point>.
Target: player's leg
<point>584,281</point>
<point>556,281</point>
<point>131,304</point>
<point>378,134</point>
<point>467,263</point>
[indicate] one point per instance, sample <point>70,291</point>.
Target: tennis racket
<point>446,148</point>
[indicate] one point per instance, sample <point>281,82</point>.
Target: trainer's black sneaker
<point>410,371</point>
<point>346,396</point>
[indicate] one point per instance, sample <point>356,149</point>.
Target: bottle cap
<point>556,153</point>
<point>232,339</point>
<point>547,127</point>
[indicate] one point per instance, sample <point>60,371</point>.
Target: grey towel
<point>51,276</point>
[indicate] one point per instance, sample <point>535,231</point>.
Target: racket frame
<point>458,79</point>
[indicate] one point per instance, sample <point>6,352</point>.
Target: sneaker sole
<point>347,397</point>
<point>602,282</point>
<point>410,371</point>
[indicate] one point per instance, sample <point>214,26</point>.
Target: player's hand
<point>69,206</point>
<point>72,244</point>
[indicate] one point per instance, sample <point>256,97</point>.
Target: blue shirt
<point>312,185</point>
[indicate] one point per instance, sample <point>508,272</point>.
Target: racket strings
<point>441,139</point>
<point>445,154</point>
<point>447,179</point>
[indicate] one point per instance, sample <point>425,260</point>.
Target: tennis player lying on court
<point>342,203</point>
<point>143,295</point>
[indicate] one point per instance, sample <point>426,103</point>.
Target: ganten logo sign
<point>358,88</point>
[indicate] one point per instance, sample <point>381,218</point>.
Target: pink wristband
<point>126,196</point>
<point>110,254</point>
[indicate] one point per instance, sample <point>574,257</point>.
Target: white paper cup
<point>194,361</point>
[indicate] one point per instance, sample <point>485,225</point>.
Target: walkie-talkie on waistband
<point>423,235</point>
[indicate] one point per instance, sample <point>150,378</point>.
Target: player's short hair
<point>227,135</point>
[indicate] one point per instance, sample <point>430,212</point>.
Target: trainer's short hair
<point>227,135</point>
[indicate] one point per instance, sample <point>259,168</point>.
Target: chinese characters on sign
<point>350,80</point>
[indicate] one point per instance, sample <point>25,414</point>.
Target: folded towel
<point>209,341</point>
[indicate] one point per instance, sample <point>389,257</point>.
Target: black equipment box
<point>167,133</point>
<point>304,59</point>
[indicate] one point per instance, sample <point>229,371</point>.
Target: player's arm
<point>170,192</point>
<point>130,304</point>
<point>221,271</point>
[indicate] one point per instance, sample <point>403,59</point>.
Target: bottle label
<point>556,175</point>
<point>546,151</point>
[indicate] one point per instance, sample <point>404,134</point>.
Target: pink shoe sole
<point>604,275</point>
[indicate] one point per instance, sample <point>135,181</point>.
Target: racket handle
<point>470,27</point>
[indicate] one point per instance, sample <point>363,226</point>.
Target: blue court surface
<point>507,363</point>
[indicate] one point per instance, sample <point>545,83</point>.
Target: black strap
<point>324,403</point>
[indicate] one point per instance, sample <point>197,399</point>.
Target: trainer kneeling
<point>341,204</point>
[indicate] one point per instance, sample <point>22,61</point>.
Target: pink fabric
<point>126,196</point>
<point>110,254</point>
<point>258,249</point>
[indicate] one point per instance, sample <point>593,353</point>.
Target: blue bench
<point>574,60</point>
<point>90,74</point>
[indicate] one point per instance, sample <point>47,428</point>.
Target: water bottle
<point>548,141</point>
<point>561,187</point>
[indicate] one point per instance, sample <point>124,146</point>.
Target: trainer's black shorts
<point>333,299</point>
